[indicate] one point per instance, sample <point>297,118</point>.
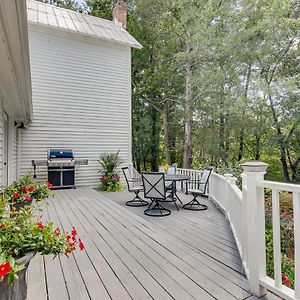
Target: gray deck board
<point>130,256</point>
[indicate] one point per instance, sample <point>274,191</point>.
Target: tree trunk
<point>188,151</point>
<point>222,131</point>
<point>155,140</point>
<point>242,131</point>
<point>166,132</point>
<point>257,146</point>
<point>241,144</point>
<point>281,142</point>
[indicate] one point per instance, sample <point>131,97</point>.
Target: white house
<point>81,88</point>
<point>15,85</point>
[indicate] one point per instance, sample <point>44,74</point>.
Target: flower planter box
<point>18,289</point>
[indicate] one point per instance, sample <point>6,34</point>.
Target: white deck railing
<point>245,211</point>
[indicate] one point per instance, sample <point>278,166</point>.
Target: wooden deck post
<point>255,224</point>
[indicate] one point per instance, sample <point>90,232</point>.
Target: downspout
<point>19,140</point>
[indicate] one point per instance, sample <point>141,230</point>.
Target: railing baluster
<point>276,237</point>
<point>296,209</point>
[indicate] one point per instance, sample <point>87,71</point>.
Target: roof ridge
<point>82,23</point>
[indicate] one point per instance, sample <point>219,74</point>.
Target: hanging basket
<point>18,289</point>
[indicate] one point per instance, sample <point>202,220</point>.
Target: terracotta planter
<point>18,290</point>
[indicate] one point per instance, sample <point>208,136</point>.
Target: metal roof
<point>68,20</point>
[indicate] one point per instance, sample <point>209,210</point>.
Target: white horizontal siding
<point>81,100</point>
<point>13,152</point>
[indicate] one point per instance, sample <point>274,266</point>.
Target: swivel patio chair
<point>172,170</point>
<point>200,190</point>
<point>134,185</point>
<point>171,187</point>
<point>154,189</point>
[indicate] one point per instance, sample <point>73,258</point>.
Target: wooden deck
<point>188,255</point>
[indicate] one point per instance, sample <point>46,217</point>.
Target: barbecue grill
<point>61,167</point>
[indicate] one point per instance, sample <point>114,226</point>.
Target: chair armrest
<point>134,180</point>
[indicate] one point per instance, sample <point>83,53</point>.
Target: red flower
<point>31,189</point>
<point>40,225</point>
<point>24,190</point>
<point>4,270</point>
<point>27,198</point>
<point>286,280</point>
<point>81,244</point>
<point>49,185</point>
<point>57,232</point>
<point>73,232</point>
<point>68,237</point>
<point>16,195</point>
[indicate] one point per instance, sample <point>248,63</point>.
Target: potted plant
<point>20,238</point>
<point>23,234</point>
<point>24,191</point>
<point>110,179</point>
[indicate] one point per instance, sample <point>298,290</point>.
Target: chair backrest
<point>204,179</point>
<point>154,185</point>
<point>136,176</point>
<point>128,177</point>
<point>171,170</point>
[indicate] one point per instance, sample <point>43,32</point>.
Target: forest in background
<point>216,83</point>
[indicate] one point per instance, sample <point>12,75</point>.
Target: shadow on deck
<point>187,255</point>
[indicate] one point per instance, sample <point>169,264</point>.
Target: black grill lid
<point>61,153</point>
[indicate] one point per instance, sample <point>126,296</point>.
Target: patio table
<point>174,179</point>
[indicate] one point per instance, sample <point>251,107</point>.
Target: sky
<point>81,1</point>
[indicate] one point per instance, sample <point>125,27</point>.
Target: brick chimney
<point>120,13</point>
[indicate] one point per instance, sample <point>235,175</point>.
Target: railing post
<point>255,224</point>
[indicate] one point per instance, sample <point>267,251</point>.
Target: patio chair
<point>172,170</point>
<point>134,185</point>
<point>154,189</point>
<point>171,187</point>
<point>200,190</point>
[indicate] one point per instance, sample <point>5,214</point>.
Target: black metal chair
<point>199,190</point>
<point>171,187</point>
<point>134,185</point>
<point>154,189</point>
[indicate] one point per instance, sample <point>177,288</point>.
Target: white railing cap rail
<point>280,186</point>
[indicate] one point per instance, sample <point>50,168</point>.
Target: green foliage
<point>245,82</point>
<point>68,4</point>
<point>109,179</point>
<point>287,246</point>
<point>22,231</point>
<point>109,162</point>
<point>25,190</point>
<point>100,8</point>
